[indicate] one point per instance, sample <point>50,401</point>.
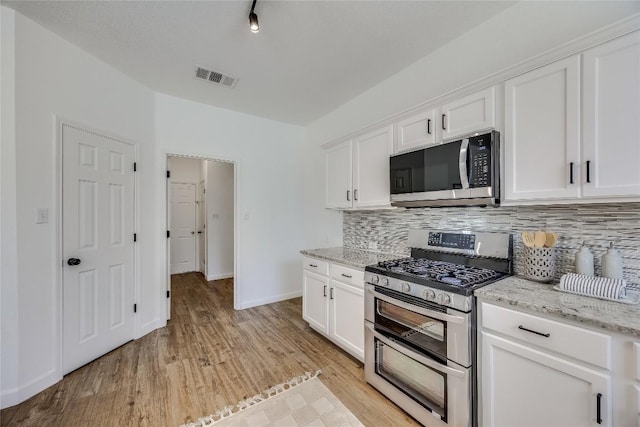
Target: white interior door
<point>98,226</point>
<point>183,227</point>
<point>202,225</point>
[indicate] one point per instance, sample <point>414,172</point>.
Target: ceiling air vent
<point>215,77</point>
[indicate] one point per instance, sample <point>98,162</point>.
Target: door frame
<point>236,221</point>
<point>59,122</point>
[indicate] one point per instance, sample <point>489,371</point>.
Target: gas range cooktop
<point>445,267</point>
<point>441,271</point>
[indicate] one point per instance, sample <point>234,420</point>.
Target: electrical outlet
<point>373,246</point>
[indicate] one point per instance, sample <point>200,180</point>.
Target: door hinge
<point>168,174</point>
<point>135,308</point>
<point>168,294</point>
<point>168,234</point>
<point>135,237</point>
<point>135,166</point>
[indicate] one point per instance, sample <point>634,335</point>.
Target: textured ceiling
<point>309,57</point>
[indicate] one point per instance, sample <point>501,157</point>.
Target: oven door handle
<point>412,354</point>
<point>425,312</point>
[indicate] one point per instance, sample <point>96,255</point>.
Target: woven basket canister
<point>539,264</point>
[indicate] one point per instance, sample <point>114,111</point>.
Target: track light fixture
<point>253,19</point>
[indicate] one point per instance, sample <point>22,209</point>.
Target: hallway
<point>208,356</point>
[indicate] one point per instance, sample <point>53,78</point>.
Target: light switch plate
<point>43,216</point>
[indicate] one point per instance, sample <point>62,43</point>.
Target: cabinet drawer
<point>348,275</point>
<point>316,265</point>
<point>578,343</point>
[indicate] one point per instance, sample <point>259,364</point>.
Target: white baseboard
<point>20,394</point>
<point>269,300</point>
<point>219,276</point>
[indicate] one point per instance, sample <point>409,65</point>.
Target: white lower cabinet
<point>346,317</point>
<point>523,386</point>
<point>314,301</point>
<point>334,306</point>
<point>537,370</point>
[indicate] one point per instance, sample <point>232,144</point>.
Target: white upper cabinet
<point>416,131</point>
<point>469,114</point>
<point>357,171</point>
<point>542,132</point>
<point>338,165</point>
<point>611,118</point>
<point>371,168</point>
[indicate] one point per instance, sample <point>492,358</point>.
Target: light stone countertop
<point>541,298</point>
<point>355,258</point>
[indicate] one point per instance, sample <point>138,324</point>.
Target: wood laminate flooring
<point>208,356</point>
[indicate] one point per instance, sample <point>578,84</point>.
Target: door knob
<point>199,232</point>
<point>193,232</point>
<point>73,261</point>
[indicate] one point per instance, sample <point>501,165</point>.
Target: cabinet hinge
<point>168,174</point>
<point>168,234</point>
<point>135,237</point>
<point>168,294</point>
<point>135,166</point>
<point>135,308</point>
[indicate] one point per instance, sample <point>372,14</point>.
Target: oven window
<point>415,328</point>
<point>423,384</point>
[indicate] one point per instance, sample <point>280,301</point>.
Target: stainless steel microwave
<point>464,173</point>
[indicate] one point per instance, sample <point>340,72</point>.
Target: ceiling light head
<point>254,26</point>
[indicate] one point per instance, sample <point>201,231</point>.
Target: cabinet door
<point>542,134</point>
<point>315,301</point>
<point>529,388</point>
<point>416,131</point>
<point>338,175</point>
<point>371,168</point>
<point>347,317</point>
<point>469,114</point>
<point>611,132</point>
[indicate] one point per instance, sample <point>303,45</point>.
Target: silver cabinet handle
<point>355,195</point>
<point>444,118</point>
<point>325,291</point>
<point>331,293</point>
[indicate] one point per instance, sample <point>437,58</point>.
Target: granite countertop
<point>356,258</point>
<point>541,298</point>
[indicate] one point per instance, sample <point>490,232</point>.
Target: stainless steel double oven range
<point>420,322</point>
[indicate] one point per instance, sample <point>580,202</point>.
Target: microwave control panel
<point>480,161</point>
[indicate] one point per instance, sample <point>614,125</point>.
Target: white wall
<point>53,77</point>
<point>269,207</point>
<point>220,215</point>
<point>184,169</point>
<point>527,29</point>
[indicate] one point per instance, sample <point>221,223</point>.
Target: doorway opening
<point>201,221</point>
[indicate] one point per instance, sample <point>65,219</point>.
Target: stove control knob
<point>375,279</point>
<point>444,299</point>
<point>406,287</point>
<point>384,281</point>
<point>429,295</point>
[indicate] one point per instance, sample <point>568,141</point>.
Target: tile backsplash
<point>595,224</point>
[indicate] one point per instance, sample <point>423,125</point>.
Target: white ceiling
<point>308,58</point>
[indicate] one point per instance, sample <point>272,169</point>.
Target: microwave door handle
<point>464,175</point>
<point>412,354</point>
<point>425,312</point>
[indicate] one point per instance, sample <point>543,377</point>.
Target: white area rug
<point>302,401</point>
